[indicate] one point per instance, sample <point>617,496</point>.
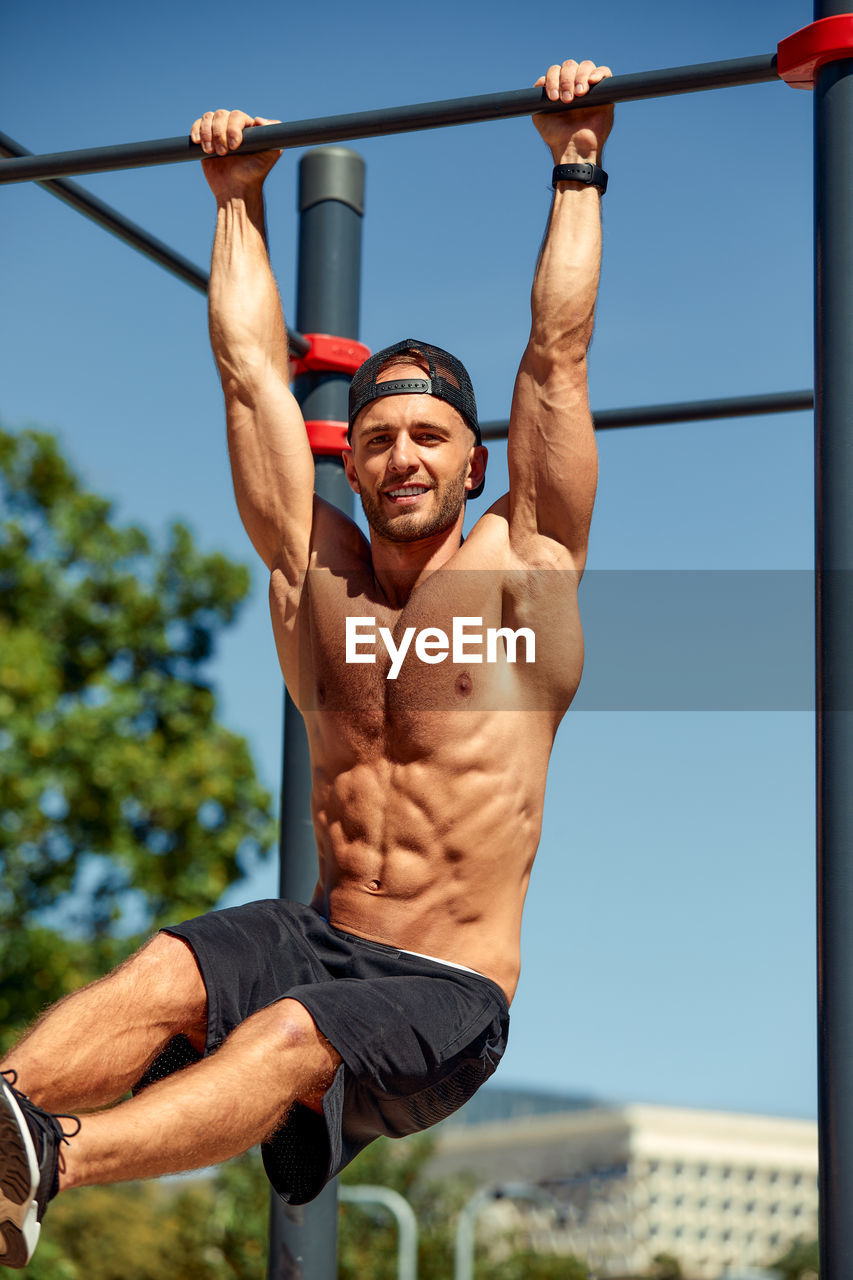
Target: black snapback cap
<point>364,388</point>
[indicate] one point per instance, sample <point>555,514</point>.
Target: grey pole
<point>655,415</point>
<point>303,1241</point>
<point>833,106</point>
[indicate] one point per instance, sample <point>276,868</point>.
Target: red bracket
<point>801,56</point>
<point>330,354</point>
<point>326,437</point>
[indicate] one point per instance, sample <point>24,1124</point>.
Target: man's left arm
<point>553,460</point>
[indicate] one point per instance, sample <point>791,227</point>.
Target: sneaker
<point>29,1164</point>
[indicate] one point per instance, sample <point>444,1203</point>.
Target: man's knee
<point>308,1058</point>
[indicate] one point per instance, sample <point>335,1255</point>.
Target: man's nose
<point>402,454</point>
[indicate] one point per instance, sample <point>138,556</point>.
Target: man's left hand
<point>575,136</point>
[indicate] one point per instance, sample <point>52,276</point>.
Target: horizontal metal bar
<point>424,115</point>
<point>655,415</point>
<point>130,232</point>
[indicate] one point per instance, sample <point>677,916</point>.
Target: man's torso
<point>427,788</point>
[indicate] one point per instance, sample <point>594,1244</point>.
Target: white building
<point>717,1190</point>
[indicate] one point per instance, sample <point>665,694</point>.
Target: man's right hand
<point>220,134</point>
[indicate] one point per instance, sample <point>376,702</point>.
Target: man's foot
<point>29,1163</point>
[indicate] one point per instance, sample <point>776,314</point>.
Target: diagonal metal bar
<point>114,222</point>
<point>423,115</point>
<point>657,415</point>
<point>130,232</point>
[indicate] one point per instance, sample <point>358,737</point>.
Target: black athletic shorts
<point>417,1037</point>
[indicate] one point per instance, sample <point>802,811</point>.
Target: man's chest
<point>476,640</point>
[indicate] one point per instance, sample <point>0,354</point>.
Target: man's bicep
<point>273,471</point>
<point>553,460</point>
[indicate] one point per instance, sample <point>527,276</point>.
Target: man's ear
<point>349,469</point>
<point>479,458</point>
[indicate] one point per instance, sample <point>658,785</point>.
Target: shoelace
<point>44,1119</point>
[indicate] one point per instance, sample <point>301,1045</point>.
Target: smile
<point>406,493</point>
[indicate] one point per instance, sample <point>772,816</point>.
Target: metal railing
<point>407,1247</point>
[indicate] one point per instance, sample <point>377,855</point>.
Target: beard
<point>412,526</point>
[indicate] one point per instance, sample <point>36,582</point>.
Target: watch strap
<point>590,174</point>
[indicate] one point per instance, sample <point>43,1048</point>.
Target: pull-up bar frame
<point>831,74</point>
<point>604,419</point>
<point>387,120</point>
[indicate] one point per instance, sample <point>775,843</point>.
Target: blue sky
<point>669,937</point>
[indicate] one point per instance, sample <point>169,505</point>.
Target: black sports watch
<point>587,173</point>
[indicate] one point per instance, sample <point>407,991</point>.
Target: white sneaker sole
<point>19,1180</point>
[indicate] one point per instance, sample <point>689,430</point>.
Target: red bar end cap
<point>331,354</point>
<point>327,437</point>
<point>800,57</point>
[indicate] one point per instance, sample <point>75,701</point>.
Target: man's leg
<point>92,1047</point>
<point>212,1110</point>
<point>204,1114</point>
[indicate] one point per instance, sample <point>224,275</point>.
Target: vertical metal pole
<point>303,1240</point>
<point>833,106</point>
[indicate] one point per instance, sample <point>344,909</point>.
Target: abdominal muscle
<point>431,854</point>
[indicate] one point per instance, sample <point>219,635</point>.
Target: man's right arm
<point>271,462</point>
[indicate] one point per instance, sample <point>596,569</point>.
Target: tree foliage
<point>800,1262</point>
<point>123,803</point>
<point>216,1228</point>
<point>665,1266</point>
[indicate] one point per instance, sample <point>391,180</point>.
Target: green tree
<point>368,1237</point>
<point>665,1266</point>
<point>216,1227</point>
<point>200,1228</point>
<point>136,1231</point>
<point>123,803</point>
<point>800,1262</point>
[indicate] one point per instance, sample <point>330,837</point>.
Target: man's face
<point>410,462</point>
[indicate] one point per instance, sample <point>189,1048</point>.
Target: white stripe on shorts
<point>451,964</point>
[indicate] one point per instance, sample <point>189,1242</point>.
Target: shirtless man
<point>383,1005</point>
